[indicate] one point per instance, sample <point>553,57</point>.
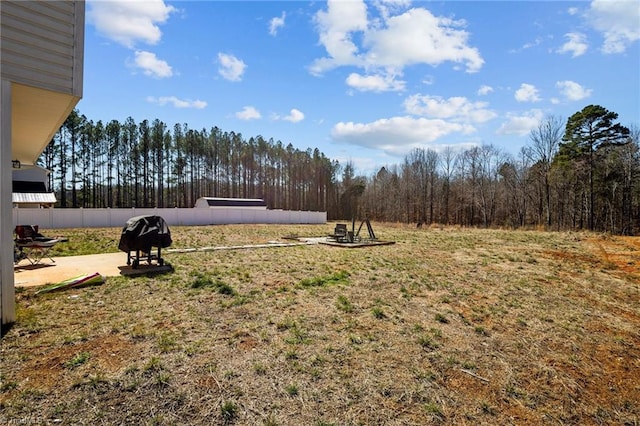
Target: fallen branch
<point>471,373</point>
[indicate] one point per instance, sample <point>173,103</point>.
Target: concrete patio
<point>115,264</point>
<point>107,265</point>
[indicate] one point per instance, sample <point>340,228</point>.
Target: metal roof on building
<point>34,198</point>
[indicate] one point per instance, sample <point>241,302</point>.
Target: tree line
<point>582,173</point>
<point>147,164</point>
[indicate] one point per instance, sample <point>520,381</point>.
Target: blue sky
<point>364,82</point>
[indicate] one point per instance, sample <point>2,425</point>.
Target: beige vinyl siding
<point>40,43</point>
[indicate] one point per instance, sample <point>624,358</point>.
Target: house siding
<point>41,71</point>
<point>39,44</point>
<point>7,290</point>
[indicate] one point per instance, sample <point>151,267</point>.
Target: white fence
<point>107,218</point>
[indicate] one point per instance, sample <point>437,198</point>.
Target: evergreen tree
<point>588,131</point>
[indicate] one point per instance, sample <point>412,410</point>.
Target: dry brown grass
<point>447,326</point>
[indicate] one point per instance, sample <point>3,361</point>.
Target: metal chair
<point>31,245</point>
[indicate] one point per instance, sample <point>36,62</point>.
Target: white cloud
<point>390,43</point>
<point>231,68</point>
<point>388,7</point>
<point>294,116</point>
<point>572,90</point>
<point>572,11</point>
<point>428,80</point>
<point>335,27</point>
<point>617,21</point>
<point>176,102</point>
<point>529,45</point>
<point>397,135</point>
<point>375,83</point>
<point>576,45</point>
<point>484,90</point>
<point>416,37</point>
<point>276,23</point>
<point>248,113</point>
<point>151,65</point>
<point>521,125</point>
<point>456,108</point>
<point>527,93</point>
<point>127,22</point>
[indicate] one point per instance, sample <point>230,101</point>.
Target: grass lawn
<point>447,326</point>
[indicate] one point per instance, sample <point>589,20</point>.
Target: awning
<point>34,198</point>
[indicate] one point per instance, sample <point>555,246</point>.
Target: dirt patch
<point>621,252</point>
<point>45,368</point>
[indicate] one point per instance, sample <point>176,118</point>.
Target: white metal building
<point>30,188</point>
